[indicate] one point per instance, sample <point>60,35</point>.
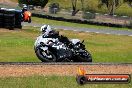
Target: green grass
<point>17,46</point>
<point>52,82</point>
<point>54,22</point>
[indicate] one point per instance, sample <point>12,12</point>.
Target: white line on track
<point>55,28</point>
<point>75,30</point>
<point>108,33</point>
<point>35,26</point>
<point>97,32</point>
<point>129,35</point>
<point>65,29</point>
<point>87,31</point>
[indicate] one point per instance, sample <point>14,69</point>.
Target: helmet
<point>25,7</point>
<point>45,28</point>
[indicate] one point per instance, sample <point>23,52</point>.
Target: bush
<point>88,15</point>
<point>41,3</point>
<point>54,8</point>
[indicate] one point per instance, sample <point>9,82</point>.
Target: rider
<point>48,32</point>
<point>24,8</point>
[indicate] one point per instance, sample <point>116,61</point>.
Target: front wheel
<point>84,57</point>
<point>29,20</point>
<point>44,56</point>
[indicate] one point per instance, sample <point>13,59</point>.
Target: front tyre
<point>84,57</point>
<point>43,56</point>
<point>29,20</point>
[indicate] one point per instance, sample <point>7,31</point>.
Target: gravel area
<point>63,70</point>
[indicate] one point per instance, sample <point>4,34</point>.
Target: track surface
<point>104,31</point>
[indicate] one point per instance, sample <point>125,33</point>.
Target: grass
<point>52,82</point>
<point>17,46</point>
<point>54,22</point>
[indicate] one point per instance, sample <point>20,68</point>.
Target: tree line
<point>111,5</point>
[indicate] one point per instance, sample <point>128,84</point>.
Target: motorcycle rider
<point>48,32</point>
<point>24,8</point>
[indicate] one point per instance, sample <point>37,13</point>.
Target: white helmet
<point>45,28</point>
<point>24,6</point>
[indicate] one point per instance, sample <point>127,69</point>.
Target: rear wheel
<point>43,56</point>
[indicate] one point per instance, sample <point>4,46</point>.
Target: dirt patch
<point>68,70</point>
<point>7,30</point>
<point>8,2</point>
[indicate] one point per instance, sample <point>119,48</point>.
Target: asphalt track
<point>102,31</point>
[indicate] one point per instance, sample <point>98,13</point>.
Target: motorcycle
<point>27,16</point>
<point>61,50</point>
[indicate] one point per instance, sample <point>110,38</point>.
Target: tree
<point>111,5</point>
<point>129,2</point>
<point>74,7</point>
<point>82,2</point>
